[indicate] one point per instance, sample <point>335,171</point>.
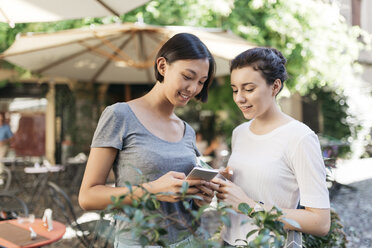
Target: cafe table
<point>15,235</point>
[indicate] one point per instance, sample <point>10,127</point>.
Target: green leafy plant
<point>147,223</point>
<point>335,238</point>
<point>269,228</point>
<point>147,220</point>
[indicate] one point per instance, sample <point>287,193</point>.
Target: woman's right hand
<point>171,184</point>
<point>227,172</point>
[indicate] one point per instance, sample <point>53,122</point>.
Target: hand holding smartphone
<point>202,173</point>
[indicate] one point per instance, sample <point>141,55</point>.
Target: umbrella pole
<point>128,93</point>
<point>10,23</point>
<point>108,8</point>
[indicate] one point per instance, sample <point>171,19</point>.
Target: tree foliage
<point>147,222</point>
<point>314,37</point>
<point>320,46</point>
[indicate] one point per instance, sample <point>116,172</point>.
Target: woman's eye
<point>235,91</point>
<point>186,77</point>
<point>249,90</point>
<point>201,83</point>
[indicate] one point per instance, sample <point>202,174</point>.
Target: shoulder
<point>301,138</point>
<point>117,108</point>
<point>117,111</point>
<point>188,128</point>
<point>115,115</point>
<point>242,127</point>
<point>298,130</point>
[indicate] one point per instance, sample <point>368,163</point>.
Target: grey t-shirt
<point>141,150</point>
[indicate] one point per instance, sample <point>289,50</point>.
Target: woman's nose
<point>239,97</point>
<point>192,87</point>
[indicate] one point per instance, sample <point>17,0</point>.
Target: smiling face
<point>184,79</point>
<point>251,93</point>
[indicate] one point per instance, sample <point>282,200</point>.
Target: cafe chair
<point>88,233</point>
<point>12,206</point>
<point>6,180</point>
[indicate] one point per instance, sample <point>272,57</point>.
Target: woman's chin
<point>248,116</point>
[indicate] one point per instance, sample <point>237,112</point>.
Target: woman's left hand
<point>231,193</point>
<point>207,190</point>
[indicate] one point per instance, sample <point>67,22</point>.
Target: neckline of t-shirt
<point>269,134</point>
<point>153,135</point>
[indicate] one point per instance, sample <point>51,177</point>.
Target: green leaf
<point>186,204</point>
<point>161,243</point>
<point>138,215</point>
<point>156,235</point>
<point>135,203</point>
<point>194,197</point>
<point>156,203</point>
<point>265,239</point>
<point>201,211</point>
<point>129,186</point>
<point>143,240</point>
<point>291,222</point>
<point>162,231</point>
<point>226,220</point>
<point>122,218</point>
<point>230,211</point>
<point>184,188</point>
<point>128,209</point>
<point>244,208</point>
<point>251,233</point>
<point>150,204</point>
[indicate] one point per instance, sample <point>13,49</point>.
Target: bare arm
<point>213,146</point>
<point>6,141</point>
<point>314,221</point>
<point>93,192</point>
<point>94,195</point>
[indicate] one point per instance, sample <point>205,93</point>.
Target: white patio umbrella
<point>21,11</point>
<point>115,53</point>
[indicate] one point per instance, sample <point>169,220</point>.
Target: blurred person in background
<point>5,136</point>
<point>201,143</point>
<point>218,151</point>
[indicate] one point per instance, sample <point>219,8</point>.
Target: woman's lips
<point>184,96</point>
<point>245,108</point>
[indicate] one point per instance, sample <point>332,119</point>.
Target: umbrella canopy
<point>115,53</point>
<point>21,11</point>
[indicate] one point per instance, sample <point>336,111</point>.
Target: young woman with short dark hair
<point>275,159</point>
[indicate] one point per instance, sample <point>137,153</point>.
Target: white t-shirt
<point>279,168</point>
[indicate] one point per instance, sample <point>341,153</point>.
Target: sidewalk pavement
<point>355,207</point>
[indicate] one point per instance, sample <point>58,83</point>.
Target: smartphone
<point>202,173</point>
<point>201,163</point>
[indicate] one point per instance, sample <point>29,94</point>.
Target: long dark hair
<point>269,61</point>
<point>184,46</point>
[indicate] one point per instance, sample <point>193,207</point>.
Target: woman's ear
<point>161,63</point>
<point>277,85</point>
